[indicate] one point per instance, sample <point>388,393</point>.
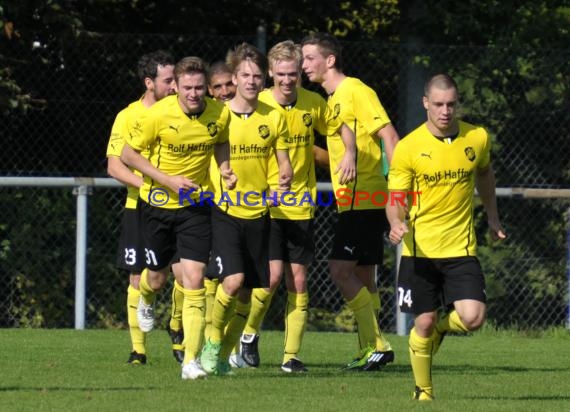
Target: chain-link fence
<point>521,96</point>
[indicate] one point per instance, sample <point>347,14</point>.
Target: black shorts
<point>240,246</point>
<point>166,232</point>
<point>292,241</point>
<point>425,285</point>
<point>130,253</point>
<point>359,235</point>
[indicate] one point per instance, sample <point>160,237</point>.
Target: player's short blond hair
<point>285,51</point>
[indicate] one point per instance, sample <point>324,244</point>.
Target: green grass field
<point>57,370</point>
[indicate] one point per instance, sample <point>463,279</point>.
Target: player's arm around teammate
<point>183,132</point>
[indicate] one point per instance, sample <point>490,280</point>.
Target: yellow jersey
<point>358,106</point>
<point>119,132</point>
<point>443,176</point>
<point>253,139</point>
<point>309,113</point>
<point>179,144</point>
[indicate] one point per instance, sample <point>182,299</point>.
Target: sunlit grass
<point>53,370</point>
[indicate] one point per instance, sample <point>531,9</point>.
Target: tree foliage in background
<point>44,29</point>
<point>52,24</point>
<point>539,23</point>
<point>44,268</point>
<point>536,35</point>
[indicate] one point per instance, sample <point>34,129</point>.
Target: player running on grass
<point>444,160</point>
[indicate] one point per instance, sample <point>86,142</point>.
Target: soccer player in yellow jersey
<point>443,161</point>
<point>291,246</point>
<point>240,218</point>
<point>358,240</point>
<point>182,132</point>
<point>221,88</point>
<point>220,85</point>
<point>156,70</point>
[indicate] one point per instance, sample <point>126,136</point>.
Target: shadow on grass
<point>335,370</point>
<point>488,370</point>
<point>522,398</point>
<point>72,389</point>
<point>323,371</point>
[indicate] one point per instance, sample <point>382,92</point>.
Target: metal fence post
<point>262,37</point>
<point>81,254</point>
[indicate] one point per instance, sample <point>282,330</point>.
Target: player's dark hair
<point>218,67</point>
<point>327,44</point>
<point>148,63</point>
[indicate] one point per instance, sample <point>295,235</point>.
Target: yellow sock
<point>211,285</point>
<point>260,302</point>
<point>221,313</point>
<point>138,337</point>
<point>368,330</point>
<point>176,310</point>
<point>193,321</point>
<point>147,293</point>
<point>297,312</point>
<point>361,306</point>
<point>375,298</point>
<point>234,328</point>
<point>451,323</point>
<point>381,342</point>
<point>420,358</point>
